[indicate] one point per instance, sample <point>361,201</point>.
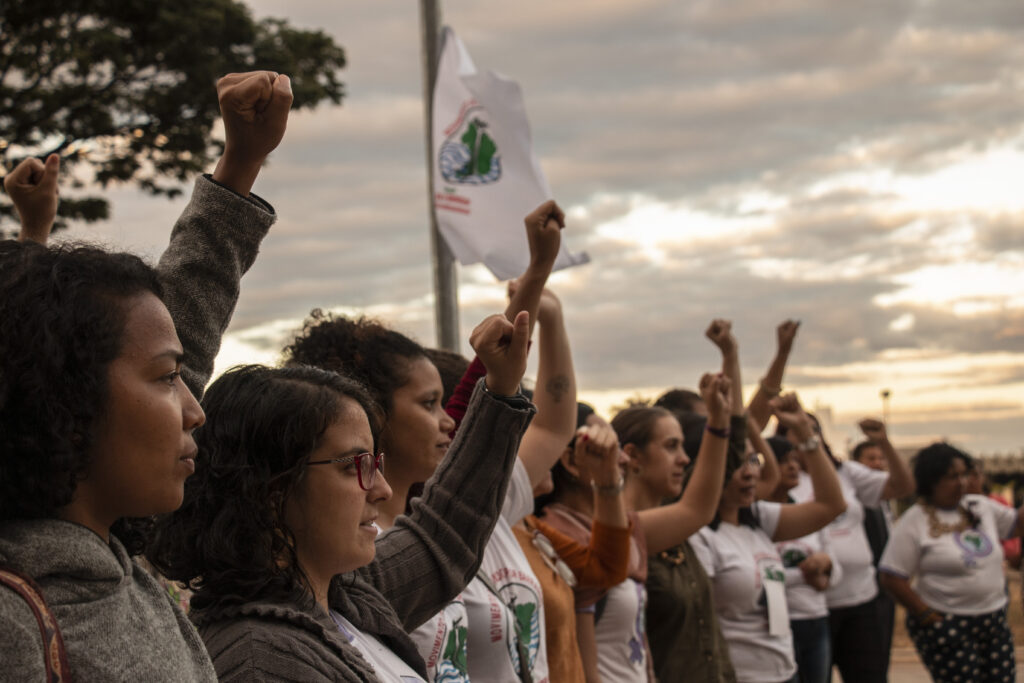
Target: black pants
<point>861,638</point>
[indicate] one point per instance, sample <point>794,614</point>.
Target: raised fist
<point>501,346</point>
<point>32,187</point>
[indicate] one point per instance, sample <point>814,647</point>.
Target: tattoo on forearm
<point>557,387</point>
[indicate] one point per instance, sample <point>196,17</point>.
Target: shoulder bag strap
<point>525,675</point>
<point>55,657</point>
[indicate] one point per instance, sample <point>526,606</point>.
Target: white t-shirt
<point>958,572</point>
<point>862,487</point>
<point>491,649</point>
<point>737,559</point>
<point>388,666</point>
<point>805,601</point>
<point>619,633</point>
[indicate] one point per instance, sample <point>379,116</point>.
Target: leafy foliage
<point>124,90</point>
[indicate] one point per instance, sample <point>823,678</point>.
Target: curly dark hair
<point>228,541</point>
<point>62,318</point>
<point>932,463</point>
<point>363,349</point>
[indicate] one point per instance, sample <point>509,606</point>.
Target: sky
<point>855,166</point>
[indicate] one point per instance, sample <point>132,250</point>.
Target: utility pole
<point>446,284</point>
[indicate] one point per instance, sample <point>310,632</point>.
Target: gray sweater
<point>118,624</point>
<point>422,563</point>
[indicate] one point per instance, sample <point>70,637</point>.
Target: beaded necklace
<point>937,528</point>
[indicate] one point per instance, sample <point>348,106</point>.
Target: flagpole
<point>446,284</point>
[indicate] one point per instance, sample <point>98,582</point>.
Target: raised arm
<point>769,466</point>
<point>720,334</point>
<point>32,187</point>
<point>901,480</point>
<point>771,383</point>
<point>428,556</point>
<point>554,395</point>
<point>544,237</point>
<point>217,237</point>
<point>670,525</point>
<point>827,503</point>
<point>543,234</point>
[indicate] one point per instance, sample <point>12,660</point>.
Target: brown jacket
<point>422,563</point>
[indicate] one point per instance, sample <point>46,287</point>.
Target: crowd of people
<point>374,510</point>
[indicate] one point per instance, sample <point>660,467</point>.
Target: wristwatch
<point>811,444</point>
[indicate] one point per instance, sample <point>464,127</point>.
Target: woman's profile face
<point>330,516</point>
<point>142,447</point>
<point>951,487</point>
<point>663,460</point>
<point>416,435</point>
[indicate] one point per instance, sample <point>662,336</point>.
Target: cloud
<point>851,165</point>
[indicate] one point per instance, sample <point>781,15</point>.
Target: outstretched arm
<point>901,480</point>
<point>670,525</point>
<point>554,396</point>
<point>32,186</point>
<point>827,503</point>
<point>216,239</point>
<point>771,384</point>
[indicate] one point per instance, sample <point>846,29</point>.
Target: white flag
<point>486,178</point>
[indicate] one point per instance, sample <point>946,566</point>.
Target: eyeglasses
<point>367,465</point>
<point>551,558</point>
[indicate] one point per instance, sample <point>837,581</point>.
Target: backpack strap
<point>55,657</point>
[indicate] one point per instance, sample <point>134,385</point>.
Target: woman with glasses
<point>278,534</point>
<point>494,629</point>
<point>738,553</point>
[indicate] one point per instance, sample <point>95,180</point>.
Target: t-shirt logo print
<point>469,156</point>
<point>452,667</point>
<point>522,599</point>
<point>975,545</point>
<point>636,648</point>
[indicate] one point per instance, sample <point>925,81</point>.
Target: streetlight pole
<point>446,284</point>
<point>885,394</point>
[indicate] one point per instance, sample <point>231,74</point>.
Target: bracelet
<point>609,489</point>
<point>771,391</point>
<point>720,432</point>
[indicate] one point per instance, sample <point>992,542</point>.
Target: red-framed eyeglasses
<point>367,465</point>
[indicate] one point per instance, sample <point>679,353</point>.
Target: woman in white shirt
<point>810,568</point>
<point>857,615</point>
<point>949,543</point>
<point>747,574</point>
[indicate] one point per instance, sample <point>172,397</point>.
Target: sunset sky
<point>857,166</point>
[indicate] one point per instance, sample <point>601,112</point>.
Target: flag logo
<point>469,155</point>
